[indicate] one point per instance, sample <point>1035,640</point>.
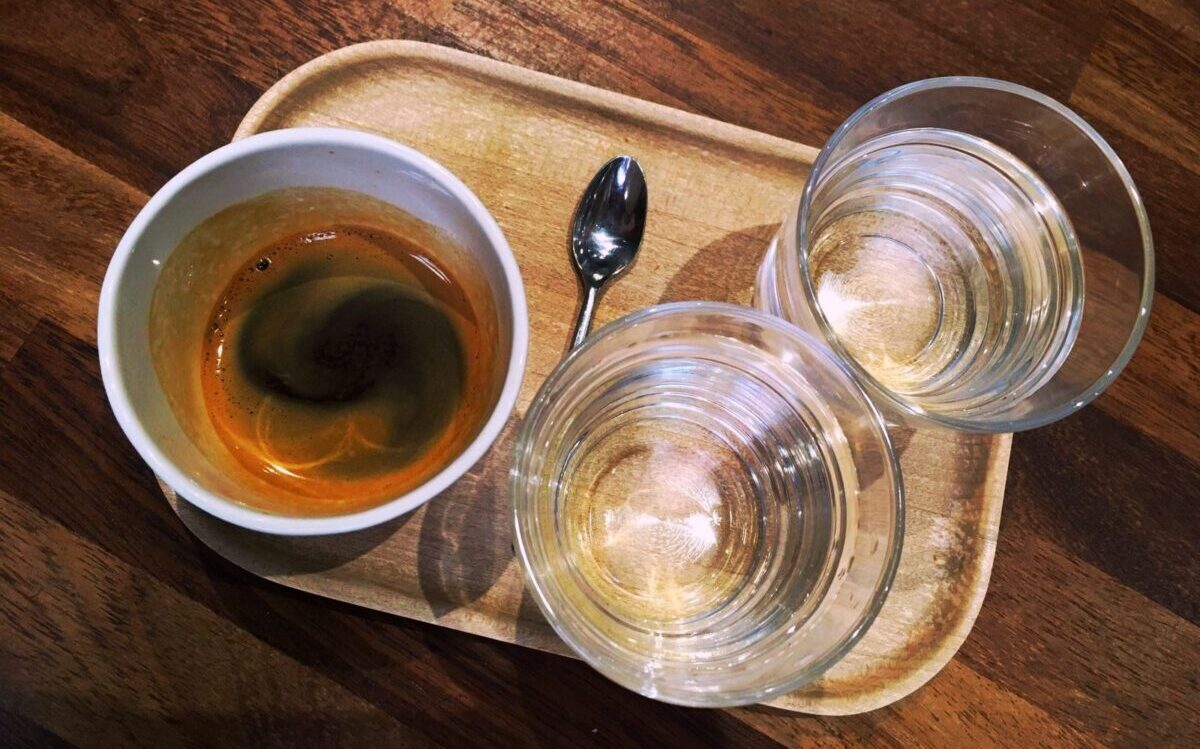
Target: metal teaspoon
<point>606,232</point>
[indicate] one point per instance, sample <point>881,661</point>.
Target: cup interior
<point>707,507</point>
<point>306,157</point>
<point>1101,284</point>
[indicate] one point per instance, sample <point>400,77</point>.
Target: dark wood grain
<point>118,628</point>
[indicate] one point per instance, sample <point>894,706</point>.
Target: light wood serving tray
<point>527,144</point>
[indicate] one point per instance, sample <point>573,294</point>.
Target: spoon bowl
<point>606,232</point>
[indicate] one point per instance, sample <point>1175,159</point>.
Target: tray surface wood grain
<point>527,143</point>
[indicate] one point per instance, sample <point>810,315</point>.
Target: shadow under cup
<point>156,308</point>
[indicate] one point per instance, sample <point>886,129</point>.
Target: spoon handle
<point>583,323</point>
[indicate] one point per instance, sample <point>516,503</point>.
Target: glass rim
<point>889,396</point>
<point>548,604</point>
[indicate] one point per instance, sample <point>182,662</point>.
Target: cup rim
<point>117,388</point>
<point>901,404</point>
<point>549,604</point>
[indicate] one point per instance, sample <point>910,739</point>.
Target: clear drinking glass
<point>706,504</point>
<point>942,247</point>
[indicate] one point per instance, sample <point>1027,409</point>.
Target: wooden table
<point>118,628</point>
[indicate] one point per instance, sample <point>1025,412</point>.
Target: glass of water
<point>974,250</point>
<point>707,507</point>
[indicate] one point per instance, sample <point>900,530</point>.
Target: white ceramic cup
<point>302,157</point>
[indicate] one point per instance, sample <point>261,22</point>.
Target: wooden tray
<point>527,144</point>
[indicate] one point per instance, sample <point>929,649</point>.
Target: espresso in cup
<point>325,346</point>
